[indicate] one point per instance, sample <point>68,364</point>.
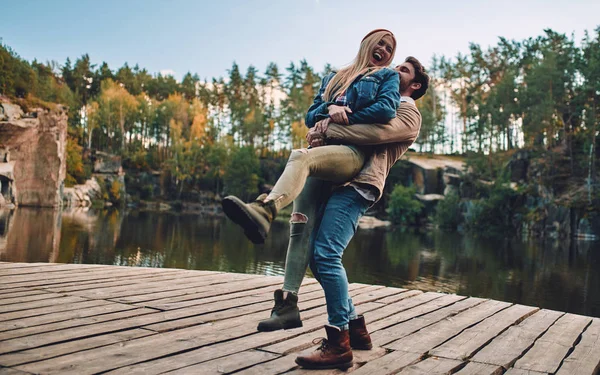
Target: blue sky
<point>205,37</point>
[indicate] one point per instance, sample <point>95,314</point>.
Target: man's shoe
<point>285,314</point>
<point>359,336</point>
<point>334,351</point>
<point>255,217</point>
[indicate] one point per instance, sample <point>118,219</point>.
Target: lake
<point>558,275</point>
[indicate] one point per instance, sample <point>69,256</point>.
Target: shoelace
<point>324,344</point>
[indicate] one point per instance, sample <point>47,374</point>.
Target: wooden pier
<point>86,319</point>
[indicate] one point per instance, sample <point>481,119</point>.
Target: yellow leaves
<point>298,133</point>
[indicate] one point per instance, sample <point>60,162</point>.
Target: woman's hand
<point>338,114</point>
<point>316,135</point>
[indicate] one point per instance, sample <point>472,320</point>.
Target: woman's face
<point>380,56</point>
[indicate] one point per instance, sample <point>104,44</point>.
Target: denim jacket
<point>372,99</point>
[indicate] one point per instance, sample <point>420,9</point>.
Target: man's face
<point>407,75</point>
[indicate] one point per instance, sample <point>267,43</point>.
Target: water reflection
<point>555,275</point>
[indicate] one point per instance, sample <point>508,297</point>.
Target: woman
<point>363,92</point>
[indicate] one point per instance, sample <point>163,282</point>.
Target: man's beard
<point>404,85</point>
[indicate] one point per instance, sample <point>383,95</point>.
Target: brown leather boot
<point>334,351</point>
<point>359,336</point>
<point>255,217</point>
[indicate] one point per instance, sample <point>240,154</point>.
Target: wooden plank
<point>585,358</point>
<point>549,350</point>
<point>517,371</point>
<point>62,316</point>
<point>432,365</point>
<point>69,347</point>
<point>277,366</point>
<point>474,368</point>
<point>195,293</point>
<point>79,304</point>
<point>29,298</point>
<point>186,281</point>
<point>50,269</point>
<point>39,304</point>
<point>228,364</point>
<point>471,340</point>
<point>11,371</point>
<point>512,343</point>
<point>234,335</point>
<point>20,292</point>
<point>133,278</point>
<point>390,363</point>
<point>47,277</point>
<point>435,334</point>
<point>51,283</point>
<point>85,327</point>
<point>421,316</point>
<point>200,312</point>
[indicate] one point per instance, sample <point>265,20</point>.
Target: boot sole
<point>341,366</point>
<point>283,326</point>
<point>236,211</point>
<point>364,347</point>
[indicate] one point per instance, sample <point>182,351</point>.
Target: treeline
<point>541,93</point>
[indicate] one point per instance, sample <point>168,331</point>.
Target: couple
<point>362,121</point>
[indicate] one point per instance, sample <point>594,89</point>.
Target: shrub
<point>403,206</point>
<point>447,212</point>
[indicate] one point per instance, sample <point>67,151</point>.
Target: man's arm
<point>403,128</point>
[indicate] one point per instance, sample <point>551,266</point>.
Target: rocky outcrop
<point>82,195</point>
<point>32,155</point>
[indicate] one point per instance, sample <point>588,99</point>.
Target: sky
<point>206,37</point>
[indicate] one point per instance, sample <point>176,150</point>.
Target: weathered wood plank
<point>69,347</point>
<point>512,343</point>
<point>585,359</point>
<point>468,342</point>
<point>473,368</point>
<point>11,371</point>
<point>20,292</point>
<point>48,277</point>
<point>423,315</point>
<point>228,364</point>
<point>62,316</point>
<point>85,327</point>
<point>432,365</point>
<point>433,335</point>
<point>79,304</point>
<point>277,366</point>
<point>518,371</point>
<point>212,341</point>
<point>552,347</point>
<point>39,304</point>
<point>390,363</point>
<point>29,298</point>
<point>45,268</point>
<point>126,279</point>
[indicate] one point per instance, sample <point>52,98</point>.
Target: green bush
<point>403,207</point>
<point>241,174</point>
<point>447,212</point>
<point>494,214</point>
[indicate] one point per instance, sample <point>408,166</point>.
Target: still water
<point>558,275</point>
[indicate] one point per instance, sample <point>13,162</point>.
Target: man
<point>339,216</point>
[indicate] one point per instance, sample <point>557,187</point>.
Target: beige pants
<point>335,163</point>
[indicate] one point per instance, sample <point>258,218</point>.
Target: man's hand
<point>316,135</point>
<point>338,114</point>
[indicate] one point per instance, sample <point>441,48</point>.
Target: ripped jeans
<point>325,165</point>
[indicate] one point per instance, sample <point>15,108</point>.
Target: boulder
<point>371,222</point>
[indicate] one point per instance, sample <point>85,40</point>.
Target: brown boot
<point>359,336</point>
<point>255,217</point>
<point>334,351</point>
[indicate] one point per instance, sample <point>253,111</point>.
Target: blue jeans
<point>336,225</point>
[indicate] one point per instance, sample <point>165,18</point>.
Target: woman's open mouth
<point>377,56</point>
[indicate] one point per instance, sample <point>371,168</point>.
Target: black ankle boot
<point>284,315</point>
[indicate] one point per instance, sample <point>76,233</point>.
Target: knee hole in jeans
<point>298,217</point>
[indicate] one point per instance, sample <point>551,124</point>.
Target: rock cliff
<point>32,155</point>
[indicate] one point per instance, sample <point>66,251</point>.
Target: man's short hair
<point>420,77</point>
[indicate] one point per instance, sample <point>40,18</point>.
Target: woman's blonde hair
<point>360,66</point>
